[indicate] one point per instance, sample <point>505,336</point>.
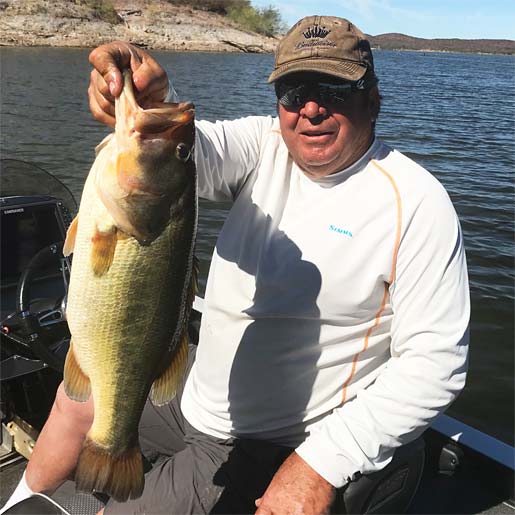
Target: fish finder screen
<point>25,231</point>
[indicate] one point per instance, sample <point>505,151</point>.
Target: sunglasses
<point>296,94</point>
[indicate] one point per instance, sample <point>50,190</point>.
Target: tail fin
<point>120,476</point>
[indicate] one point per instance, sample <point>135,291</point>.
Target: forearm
<point>296,489</point>
<point>58,446</point>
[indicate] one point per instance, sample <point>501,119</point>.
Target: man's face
<point>323,137</point>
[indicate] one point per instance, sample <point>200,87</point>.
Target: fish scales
<point>132,284</point>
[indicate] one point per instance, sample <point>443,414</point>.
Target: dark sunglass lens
<point>297,95</point>
<point>334,93</point>
<point>291,96</point>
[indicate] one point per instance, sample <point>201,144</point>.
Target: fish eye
<point>182,152</point>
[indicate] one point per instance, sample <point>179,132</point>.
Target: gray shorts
<point>190,472</point>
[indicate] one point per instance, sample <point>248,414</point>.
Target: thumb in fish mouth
<point>111,59</point>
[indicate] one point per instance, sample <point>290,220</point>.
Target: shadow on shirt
<point>283,330</point>
<point>284,327</point>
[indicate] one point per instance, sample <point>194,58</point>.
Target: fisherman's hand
<point>150,80</point>
<point>296,489</point>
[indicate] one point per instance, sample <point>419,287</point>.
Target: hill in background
<point>197,25</point>
<point>157,24</point>
<point>403,42</point>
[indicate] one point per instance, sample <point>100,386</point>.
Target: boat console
<point>35,211</point>
<point>28,225</point>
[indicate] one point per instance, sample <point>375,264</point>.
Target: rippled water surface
<point>454,114</point>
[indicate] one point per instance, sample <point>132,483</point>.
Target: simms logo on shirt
<point>339,230</point>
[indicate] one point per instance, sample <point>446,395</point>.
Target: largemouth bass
<point>132,284</point>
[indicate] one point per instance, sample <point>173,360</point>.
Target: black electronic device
<point>27,225</point>
<point>35,212</point>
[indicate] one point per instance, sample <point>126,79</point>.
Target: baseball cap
<point>324,44</point>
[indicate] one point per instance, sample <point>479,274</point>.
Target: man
<point>336,309</point>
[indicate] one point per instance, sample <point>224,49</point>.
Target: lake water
<point>454,114</point>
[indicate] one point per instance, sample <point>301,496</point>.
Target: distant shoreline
<point>459,46</point>
<point>160,25</point>
<point>425,51</point>
<point>220,51</point>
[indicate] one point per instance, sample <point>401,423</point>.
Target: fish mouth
<point>161,123</point>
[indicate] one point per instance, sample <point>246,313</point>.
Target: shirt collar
<point>336,178</point>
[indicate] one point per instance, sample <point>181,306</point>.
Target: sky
<point>464,19</point>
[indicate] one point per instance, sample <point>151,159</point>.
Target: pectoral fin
<point>76,383</point>
<point>103,246</point>
<point>71,235</point>
<point>165,386</point>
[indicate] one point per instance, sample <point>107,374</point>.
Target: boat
<point>453,468</point>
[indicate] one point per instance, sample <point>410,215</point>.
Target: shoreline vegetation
<point>186,25</point>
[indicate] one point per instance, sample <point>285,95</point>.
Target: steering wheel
<point>46,333</point>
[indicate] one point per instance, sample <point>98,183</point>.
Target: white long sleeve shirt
<point>336,310</point>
